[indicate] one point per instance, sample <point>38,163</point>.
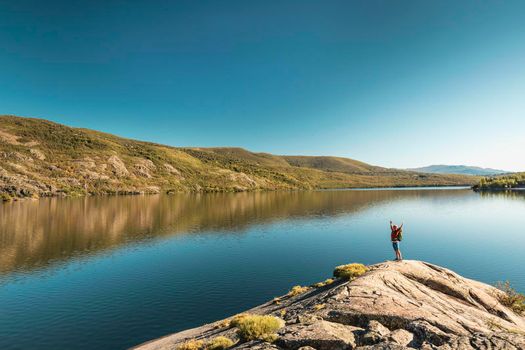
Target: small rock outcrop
<point>144,168</point>
<point>38,154</point>
<point>172,170</point>
<point>395,305</point>
<point>118,166</point>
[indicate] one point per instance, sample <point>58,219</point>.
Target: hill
<point>42,158</point>
<point>508,182</point>
<point>459,170</point>
<point>392,305</point>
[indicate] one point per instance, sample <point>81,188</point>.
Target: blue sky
<point>392,83</point>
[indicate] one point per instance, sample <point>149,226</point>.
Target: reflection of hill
<point>37,233</point>
<point>510,194</point>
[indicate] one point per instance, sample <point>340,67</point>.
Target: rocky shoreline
<point>394,305</point>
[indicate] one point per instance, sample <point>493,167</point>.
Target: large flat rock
<point>396,305</point>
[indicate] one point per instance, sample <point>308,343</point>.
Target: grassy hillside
<point>333,164</point>
<point>42,158</point>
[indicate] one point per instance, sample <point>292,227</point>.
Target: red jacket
<point>395,234</point>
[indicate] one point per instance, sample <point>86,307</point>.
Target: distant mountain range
<point>41,158</point>
<point>459,170</point>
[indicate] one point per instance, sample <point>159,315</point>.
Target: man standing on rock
<point>396,235</point>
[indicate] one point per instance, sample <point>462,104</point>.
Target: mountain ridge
<point>42,158</point>
<point>458,170</point>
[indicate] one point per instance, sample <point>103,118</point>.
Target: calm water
<point>112,272</point>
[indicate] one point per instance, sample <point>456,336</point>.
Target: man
<point>395,237</point>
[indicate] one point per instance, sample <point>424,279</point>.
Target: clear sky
<point>392,83</point>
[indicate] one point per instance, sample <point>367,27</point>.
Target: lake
<point>112,272</point>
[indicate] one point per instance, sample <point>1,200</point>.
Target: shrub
<point>510,298</point>
<point>219,343</point>
<point>192,344</point>
<point>350,271</point>
<point>296,290</point>
<point>253,327</point>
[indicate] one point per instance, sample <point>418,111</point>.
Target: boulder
<point>321,335</point>
<point>401,337</point>
<point>117,166</point>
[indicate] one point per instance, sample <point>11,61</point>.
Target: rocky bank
<point>395,305</point>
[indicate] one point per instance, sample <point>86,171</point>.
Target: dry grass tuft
<point>319,307</point>
<point>223,324</point>
<point>192,344</point>
<point>350,271</point>
<point>262,327</point>
<point>296,290</point>
<point>219,343</point>
<point>234,321</point>
<point>324,283</point>
<point>510,298</point>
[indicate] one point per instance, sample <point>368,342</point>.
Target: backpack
<point>400,234</point>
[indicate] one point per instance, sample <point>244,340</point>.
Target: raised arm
<point>400,227</point>
<point>391,225</point>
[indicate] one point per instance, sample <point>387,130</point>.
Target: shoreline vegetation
<point>511,182</point>
<point>434,308</point>
<point>45,159</point>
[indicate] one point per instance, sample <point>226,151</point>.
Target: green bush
<point>263,327</point>
<point>219,343</point>
<point>510,298</point>
<point>192,344</point>
<point>350,271</point>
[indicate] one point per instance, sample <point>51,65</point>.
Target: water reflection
<point>35,234</point>
<point>513,194</point>
<point>130,269</point>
